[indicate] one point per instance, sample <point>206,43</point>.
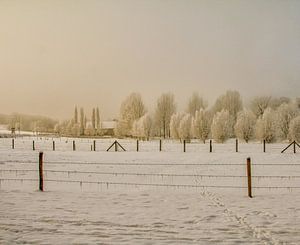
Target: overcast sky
<point>58,54</point>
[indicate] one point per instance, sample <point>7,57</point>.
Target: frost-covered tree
<point>266,127</point>
<point>221,126</point>
<point>131,109</point>
<point>164,110</point>
<point>294,130</point>
<point>185,127</point>
<point>259,104</point>
<point>146,124</point>
<point>284,115</point>
<point>231,101</point>
<point>174,125</point>
<point>201,125</point>
<point>142,127</point>
<point>276,102</point>
<point>245,125</point>
<point>195,104</point>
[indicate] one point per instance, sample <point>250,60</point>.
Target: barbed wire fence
<point>201,181</point>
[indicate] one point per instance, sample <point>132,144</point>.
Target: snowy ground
<point>148,197</point>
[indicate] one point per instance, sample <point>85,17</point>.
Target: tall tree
<point>82,121</point>
<point>75,115</point>
<point>164,110</point>
<point>195,104</point>
<point>231,101</point>
<point>94,119</point>
<point>98,118</point>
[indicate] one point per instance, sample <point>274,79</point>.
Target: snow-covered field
<point>148,197</point>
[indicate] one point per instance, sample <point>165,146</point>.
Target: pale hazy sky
<point>57,54</point>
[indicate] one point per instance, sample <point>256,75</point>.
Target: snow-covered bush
<point>221,126</point>
<point>294,130</point>
<point>266,127</point>
<point>245,125</point>
<point>201,125</point>
<point>185,127</point>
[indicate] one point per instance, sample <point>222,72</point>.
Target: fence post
<point>294,146</point>
<point>236,145</point>
<point>13,144</point>
<point>249,177</point>
<point>183,145</point>
<point>137,145</point>
<point>116,146</point>
<point>53,145</point>
<point>94,145</point>
<point>74,146</point>
<point>160,145</point>
<point>210,145</point>
<point>33,146</point>
<point>264,143</point>
<point>41,186</point>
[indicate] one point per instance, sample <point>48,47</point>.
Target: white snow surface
<point>147,197</point>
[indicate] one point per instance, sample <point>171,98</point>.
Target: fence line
<point>153,174</point>
<point>107,183</point>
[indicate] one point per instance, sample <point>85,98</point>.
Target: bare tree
<point>245,125</point>
<point>201,125</point>
<point>195,104</point>
<point>221,126</point>
<point>164,110</point>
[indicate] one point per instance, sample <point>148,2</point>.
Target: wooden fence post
<point>236,145</point>
<point>13,144</point>
<point>53,145</point>
<point>116,146</point>
<point>264,145</point>
<point>294,146</point>
<point>94,145</point>
<point>183,145</point>
<point>210,145</point>
<point>41,185</point>
<point>74,146</point>
<point>137,145</point>
<point>160,145</point>
<point>33,146</point>
<point>249,177</point>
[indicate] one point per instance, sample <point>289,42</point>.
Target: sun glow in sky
<point>58,54</point>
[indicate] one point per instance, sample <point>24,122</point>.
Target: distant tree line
<point>22,122</point>
<point>264,118</point>
<point>80,125</point>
